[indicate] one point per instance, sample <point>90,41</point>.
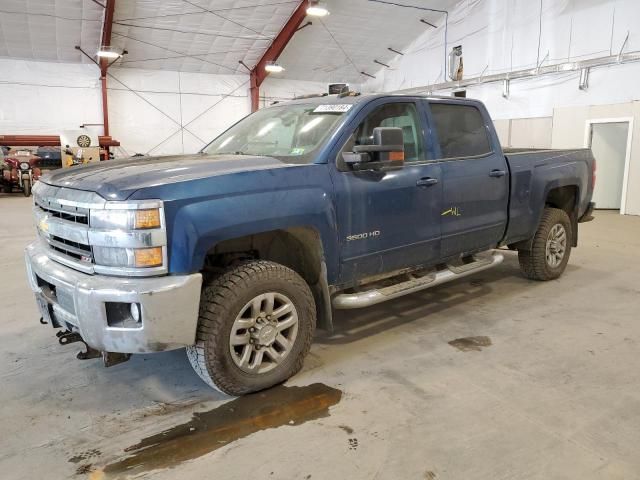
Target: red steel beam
<point>46,141</point>
<point>258,74</point>
<point>107,28</point>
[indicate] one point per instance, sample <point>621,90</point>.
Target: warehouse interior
<point>490,376</point>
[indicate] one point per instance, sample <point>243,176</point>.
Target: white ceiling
<point>357,32</point>
<point>211,36</point>
<point>49,30</point>
<point>182,35</point>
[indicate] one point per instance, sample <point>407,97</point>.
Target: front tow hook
<point>65,338</point>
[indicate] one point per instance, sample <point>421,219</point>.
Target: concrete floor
<point>553,393</point>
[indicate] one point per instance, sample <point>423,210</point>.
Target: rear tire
<point>255,328</point>
<point>550,249</point>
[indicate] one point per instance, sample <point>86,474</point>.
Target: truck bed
<point>534,172</point>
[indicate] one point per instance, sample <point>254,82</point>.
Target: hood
<point>118,179</point>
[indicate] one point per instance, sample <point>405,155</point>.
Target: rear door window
<point>461,130</point>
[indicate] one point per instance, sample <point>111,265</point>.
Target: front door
<point>475,179</point>
<point>388,219</point>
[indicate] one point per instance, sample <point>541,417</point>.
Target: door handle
<point>497,173</point>
<point>426,182</point>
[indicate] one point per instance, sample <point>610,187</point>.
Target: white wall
<point>569,129</point>
<point>38,98</point>
<point>279,89</point>
<point>503,35</point>
<point>525,132</point>
<point>150,111</point>
<point>159,113</point>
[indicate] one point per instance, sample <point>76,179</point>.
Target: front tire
<point>255,328</point>
<point>26,187</point>
<point>550,249</point>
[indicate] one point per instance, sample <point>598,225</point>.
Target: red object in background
<point>15,159</point>
<point>20,166</point>
<point>47,141</point>
<point>53,141</point>
<point>258,74</point>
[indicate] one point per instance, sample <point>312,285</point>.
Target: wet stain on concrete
<point>87,454</point>
<point>346,428</point>
<point>208,431</point>
<point>84,469</point>
<point>468,344</point>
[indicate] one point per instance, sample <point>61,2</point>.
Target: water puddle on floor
<point>468,344</point>
<point>210,430</point>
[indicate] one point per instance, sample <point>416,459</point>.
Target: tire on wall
<point>255,328</point>
<point>551,247</point>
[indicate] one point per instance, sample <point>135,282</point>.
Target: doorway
<point>610,141</point>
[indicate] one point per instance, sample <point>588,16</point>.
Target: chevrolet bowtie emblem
<point>43,225</point>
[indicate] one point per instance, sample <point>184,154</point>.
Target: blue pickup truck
<point>240,251</point>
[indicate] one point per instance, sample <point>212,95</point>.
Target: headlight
<point>126,219</point>
<point>25,166</point>
<point>128,257</point>
<point>129,238</point>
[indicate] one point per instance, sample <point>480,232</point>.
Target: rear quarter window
<point>461,130</point>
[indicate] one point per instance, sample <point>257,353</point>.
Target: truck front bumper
<point>93,305</point>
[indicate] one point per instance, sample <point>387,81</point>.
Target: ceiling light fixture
<point>110,52</point>
<point>273,67</point>
<point>317,9</point>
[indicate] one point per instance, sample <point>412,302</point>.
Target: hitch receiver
<point>65,338</point>
<point>113,358</point>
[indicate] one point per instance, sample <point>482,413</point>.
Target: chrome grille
<point>75,250</point>
<point>62,221</point>
<point>63,235</point>
<point>67,213</point>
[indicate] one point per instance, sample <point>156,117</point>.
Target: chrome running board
<point>414,283</point>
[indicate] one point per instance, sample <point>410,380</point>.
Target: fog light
<point>135,312</point>
<point>123,315</point>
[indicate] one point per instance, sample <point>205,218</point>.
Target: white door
<point>609,145</point>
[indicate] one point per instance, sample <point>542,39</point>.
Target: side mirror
<point>387,151</point>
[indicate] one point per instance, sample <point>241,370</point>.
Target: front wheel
<point>551,247</point>
<point>26,187</point>
<point>255,328</point>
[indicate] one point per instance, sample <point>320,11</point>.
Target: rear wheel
<point>551,247</point>
<point>255,328</point>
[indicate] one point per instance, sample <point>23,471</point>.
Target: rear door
<point>475,178</point>
<point>388,219</point>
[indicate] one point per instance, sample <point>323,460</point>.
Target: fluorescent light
<point>317,9</point>
<point>273,67</point>
<point>110,52</point>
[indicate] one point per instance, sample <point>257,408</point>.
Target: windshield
<point>289,133</point>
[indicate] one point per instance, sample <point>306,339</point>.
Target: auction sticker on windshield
<point>335,108</point>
